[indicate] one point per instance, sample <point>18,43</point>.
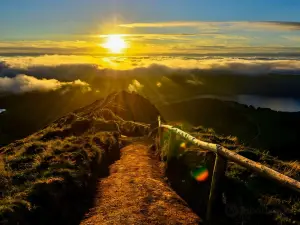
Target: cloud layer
<point>154,75</point>
<point>70,68</point>
<point>24,83</point>
<point>108,74</point>
<point>259,25</point>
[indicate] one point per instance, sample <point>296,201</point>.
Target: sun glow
<point>115,43</point>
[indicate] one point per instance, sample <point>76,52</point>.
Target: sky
<point>150,27</point>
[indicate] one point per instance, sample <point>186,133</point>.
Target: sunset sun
<point>115,44</point>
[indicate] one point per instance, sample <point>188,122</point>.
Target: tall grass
<point>267,202</point>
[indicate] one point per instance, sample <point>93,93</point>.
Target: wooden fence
<point>223,154</point>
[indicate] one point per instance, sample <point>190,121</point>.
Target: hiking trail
<point>135,192</point>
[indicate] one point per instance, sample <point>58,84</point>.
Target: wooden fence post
<point>216,186</point>
<point>160,134</point>
<point>171,143</point>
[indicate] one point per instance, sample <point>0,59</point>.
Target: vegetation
<point>46,176</point>
<point>43,178</point>
<point>247,197</point>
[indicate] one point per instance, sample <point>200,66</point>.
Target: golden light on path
<point>115,43</point>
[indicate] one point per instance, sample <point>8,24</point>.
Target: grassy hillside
<point>43,180</point>
<point>45,176</point>
<point>247,198</point>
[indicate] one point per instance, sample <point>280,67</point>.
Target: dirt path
<point>135,193</point>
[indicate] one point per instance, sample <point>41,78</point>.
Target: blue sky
<point>211,25</point>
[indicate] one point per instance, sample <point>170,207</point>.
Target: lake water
<point>274,103</point>
<point>277,104</point>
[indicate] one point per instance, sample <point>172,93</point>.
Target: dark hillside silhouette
<point>269,130</point>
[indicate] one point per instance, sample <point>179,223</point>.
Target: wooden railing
<point>223,154</point>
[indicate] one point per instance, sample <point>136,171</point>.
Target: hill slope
<point>42,175</point>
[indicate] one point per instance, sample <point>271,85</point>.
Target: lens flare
<point>183,145</point>
<point>200,174</point>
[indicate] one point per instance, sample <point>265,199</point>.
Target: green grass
<point>257,199</point>
<point>39,177</point>
<point>46,177</point>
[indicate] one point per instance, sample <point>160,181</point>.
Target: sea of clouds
<point>50,72</point>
